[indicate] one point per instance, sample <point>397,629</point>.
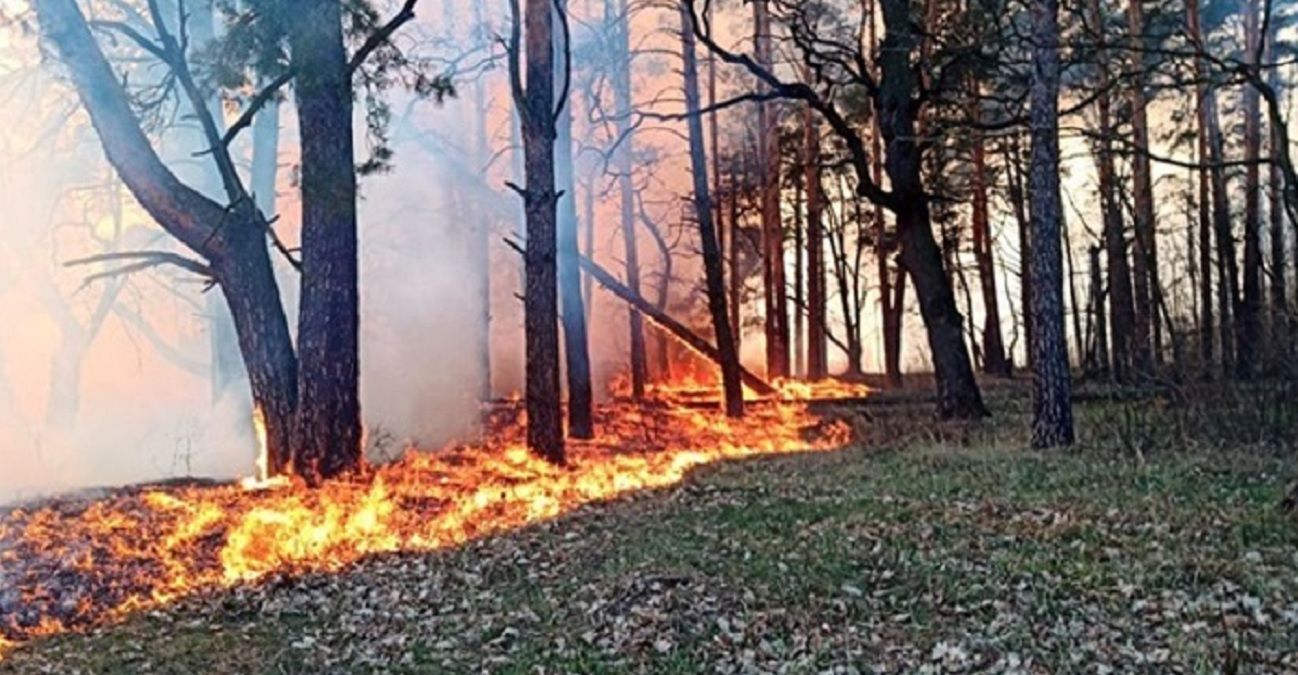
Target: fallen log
<point>664,321</point>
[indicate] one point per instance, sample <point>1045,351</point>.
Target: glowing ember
<point>78,565</point>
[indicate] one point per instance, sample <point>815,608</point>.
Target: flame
<point>262,480</point>
<point>143,549</point>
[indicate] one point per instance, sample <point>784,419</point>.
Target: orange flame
<point>145,549</point>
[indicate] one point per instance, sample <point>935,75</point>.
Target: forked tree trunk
<point>1052,419</point>
<point>958,393</point>
<point>236,252</point>
<point>327,437</point>
<point>730,369</point>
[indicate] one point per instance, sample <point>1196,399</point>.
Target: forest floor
<point>1139,551</point>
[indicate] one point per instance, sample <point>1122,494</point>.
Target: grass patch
<point>941,556</point>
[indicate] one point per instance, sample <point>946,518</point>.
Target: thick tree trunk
<point>618,15</point>
<point>712,260</point>
<point>768,149</point>
<point>327,437</point>
<point>248,283</point>
<point>1052,418</point>
<point>958,393</point>
<point>541,298</point>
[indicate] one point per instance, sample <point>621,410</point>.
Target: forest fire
<point>73,565</point>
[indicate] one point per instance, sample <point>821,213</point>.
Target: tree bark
<point>540,199</point>
<point>1052,420</point>
<point>1207,347</point>
<point>712,260</point>
<point>994,359</point>
<point>236,251</point>
<point>958,393</point>
<point>327,437</point>
<point>1228,299</point>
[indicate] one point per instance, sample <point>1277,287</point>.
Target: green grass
<point>972,555</point>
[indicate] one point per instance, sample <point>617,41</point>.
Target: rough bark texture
<point>236,253</point>
<point>1052,412</point>
<point>541,297</point>
<point>958,393</point>
<point>327,435</point>
<point>729,356</point>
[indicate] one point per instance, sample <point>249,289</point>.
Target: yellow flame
<point>262,480</point>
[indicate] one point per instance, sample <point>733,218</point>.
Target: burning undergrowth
<point>74,564</point>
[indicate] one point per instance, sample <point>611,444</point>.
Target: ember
<point>70,566</point>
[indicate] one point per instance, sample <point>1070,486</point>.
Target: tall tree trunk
<point>1144,257</point>
<point>1207,348</point>
<point>994,359</point>
<point>1280,327</point>
<point>617,14</point>
<point>799,271</point>
<point>817,339</point>
<point>1228,300</point>
<point>1122,311</point>
<point>327,437</point>
<point>958,393</point>
<point>712,260</point>
<point>540,199</point>
<point>1249,320</point>
<point>891,295</point>
<point>768,149</point>
<point>1052,413</point>
<point>736,290</point>
<point>575,340</point>
<point>1100,361</point>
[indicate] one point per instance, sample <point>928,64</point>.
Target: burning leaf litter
<point>73,565</point>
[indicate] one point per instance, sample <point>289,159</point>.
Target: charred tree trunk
<point>712,260</point>
<point>1052,419</point>
<point>958,393</point>
<point>540,200</point>
<point>573,311</point>
<point>617,13</point>
<point>327,436</point>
